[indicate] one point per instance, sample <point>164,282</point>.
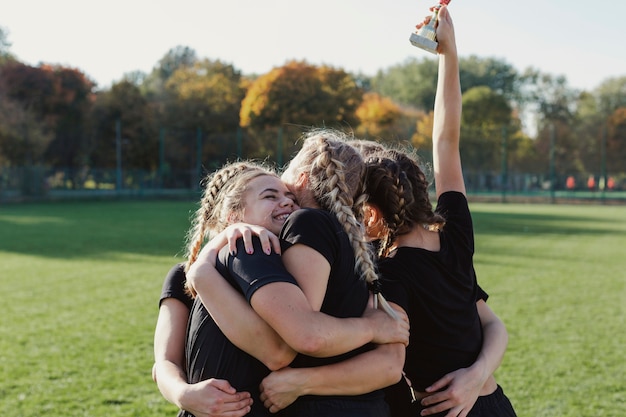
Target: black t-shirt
<point>174,286</point>
<point>208,352</point>
<point>346,293</point>
<point>439,291</point>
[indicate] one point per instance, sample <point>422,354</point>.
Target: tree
<point>496,74</point>
<point>178,57</point>
<point>206,95</point>
<point>611,95</point>
<point>377,116</point>
<point>125,105</point>
<point>485,115</point>
<point>412,83</point>
<point>616,140</point>
<point>423,136</point>
<point>61,98</point>
<point>302,94</point>
<point>203,99</point>
<point>549,96</point>
<point>23,139</point>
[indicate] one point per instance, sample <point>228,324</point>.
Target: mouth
<point>282,217</point>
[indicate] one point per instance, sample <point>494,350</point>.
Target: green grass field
<point>80,283</point>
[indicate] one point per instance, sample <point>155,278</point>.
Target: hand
<point>388,329</point>
<point>268,239</point>
<point>205,262</point>
<point>281,388</point>
<point>214,398</point>
<point>444,29</point>
<point>462,388</point>
<point>445,32</point>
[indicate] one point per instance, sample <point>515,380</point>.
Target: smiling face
<point>267,202</point>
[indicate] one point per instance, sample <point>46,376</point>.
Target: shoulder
<point>452,199</point>
<point>310,214</point>
<point>453,206</point>
<point>310,220</point>
<point>174,285</point>
<point>175,277</point>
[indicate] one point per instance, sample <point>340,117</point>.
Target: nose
<point>288,201</point>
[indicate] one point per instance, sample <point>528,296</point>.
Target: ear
<point>302,181</point>
<point>371,215</point>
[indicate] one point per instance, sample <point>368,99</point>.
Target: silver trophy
<point>426,36</point>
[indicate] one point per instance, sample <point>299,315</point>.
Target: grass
<point>80,283</point>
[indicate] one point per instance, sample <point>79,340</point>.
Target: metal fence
<point>39,183</point>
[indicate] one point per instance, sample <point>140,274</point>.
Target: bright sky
<point>581,39</point>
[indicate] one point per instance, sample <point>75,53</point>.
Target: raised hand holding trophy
<point>426,36</point>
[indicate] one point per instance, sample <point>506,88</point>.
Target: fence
<point>38,183</point>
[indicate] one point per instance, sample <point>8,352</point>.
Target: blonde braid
<point>342,180</point>
<point>208,217</point>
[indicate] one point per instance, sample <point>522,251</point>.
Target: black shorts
<point>495,404</point>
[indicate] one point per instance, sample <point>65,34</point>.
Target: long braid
<point>336,178</point>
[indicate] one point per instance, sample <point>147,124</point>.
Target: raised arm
<point>447,112</point>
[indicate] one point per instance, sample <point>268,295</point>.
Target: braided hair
<point>399,188</point>
<point>335,176</point>
<point>223,194</point>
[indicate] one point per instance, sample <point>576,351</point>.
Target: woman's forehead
<point>267,181</point>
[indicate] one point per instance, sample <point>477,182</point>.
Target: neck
<point>307,200</point>
<point>421,237</point>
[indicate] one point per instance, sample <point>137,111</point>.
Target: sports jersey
<point>439,291</point>
<point>346,296</point>
<point>208,352</point>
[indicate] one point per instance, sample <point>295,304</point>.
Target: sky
<point>582,40</point>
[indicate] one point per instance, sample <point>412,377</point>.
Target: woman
<point>325,250</point>
<point>209,397</point>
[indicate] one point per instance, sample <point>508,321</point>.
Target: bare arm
<point>294,311</point>
<point>361,374</point>
<point>169,345</point>
<point>246,329</point>
<point>209,398</point>
<point>447,112</point>
<point>288,311</point>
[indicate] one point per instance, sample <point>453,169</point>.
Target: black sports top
<point>439,291</point>
<point>174,286</point>
<point>208,352</point>
<point>346,296</point>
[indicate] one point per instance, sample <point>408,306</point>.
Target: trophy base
<point>423,43</point>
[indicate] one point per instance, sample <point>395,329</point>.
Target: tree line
<point>192,113</point>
